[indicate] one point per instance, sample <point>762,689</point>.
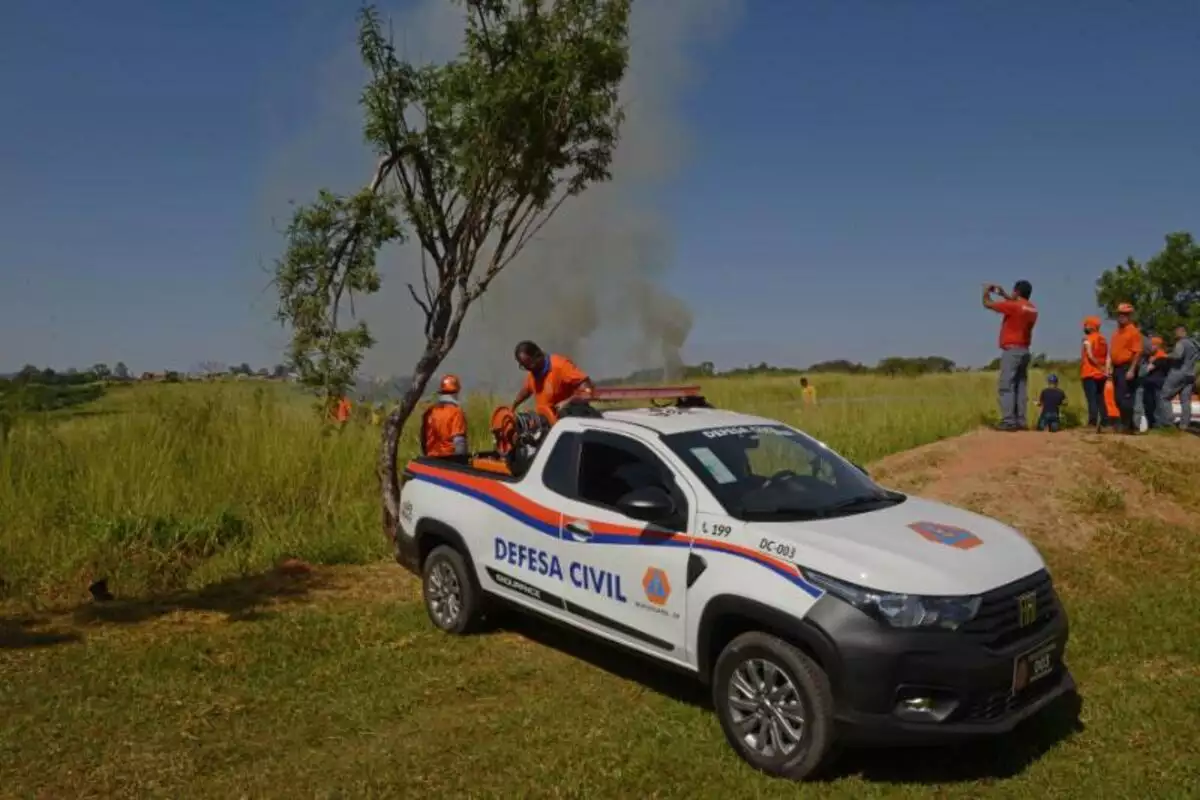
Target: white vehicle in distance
<point>1176,414</point>
<point>818,606</point>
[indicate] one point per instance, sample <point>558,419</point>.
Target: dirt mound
<point>1057,488</point>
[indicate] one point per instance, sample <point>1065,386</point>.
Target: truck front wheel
<point>451,597</point>
<point>775,706</point>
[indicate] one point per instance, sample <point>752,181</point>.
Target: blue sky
<point>857,169</point>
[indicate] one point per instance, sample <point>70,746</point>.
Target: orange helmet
<point>1091,322</point>
<point>449,385</point>
<point>1125,308</point>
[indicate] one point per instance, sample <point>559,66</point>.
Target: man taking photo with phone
<point>1016,336</point>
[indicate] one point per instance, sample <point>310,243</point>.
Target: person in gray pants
<point>1181,377</point>
<point>1016,336</point>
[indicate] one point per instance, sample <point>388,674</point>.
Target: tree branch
<point>424,307</point>
<point>429,192</point>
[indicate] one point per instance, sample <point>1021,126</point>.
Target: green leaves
<point>484,148</point>
<point>332,246</point>
<point>1165,291</point>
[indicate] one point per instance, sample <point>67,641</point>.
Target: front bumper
<point>970,677</point>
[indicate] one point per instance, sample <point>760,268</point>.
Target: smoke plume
<point>591,284</point>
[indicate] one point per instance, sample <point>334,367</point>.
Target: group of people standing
<point>1131,362</point>
<point>1120,366</point>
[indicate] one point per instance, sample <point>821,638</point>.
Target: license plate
<point>1033,665</point>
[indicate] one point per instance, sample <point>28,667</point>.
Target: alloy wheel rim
<point>766,709</point>
<point>445,594</point>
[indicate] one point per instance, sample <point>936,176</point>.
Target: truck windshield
<point>776,473</point>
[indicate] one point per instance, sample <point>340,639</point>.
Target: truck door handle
<point>579,529</point>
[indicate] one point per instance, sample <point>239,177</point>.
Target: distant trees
<point>121,372</point>
<point>892,366</point>
<point>761,368</point>
<point>1164,291</point>
<point>30,375</point>
<point>896,366</point>
<point>34,389</point>
<point>841,365</point>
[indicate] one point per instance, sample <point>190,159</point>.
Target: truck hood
<point>915,547</point>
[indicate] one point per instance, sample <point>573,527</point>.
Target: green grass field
<point>179,485</point>
<point>212,676</point>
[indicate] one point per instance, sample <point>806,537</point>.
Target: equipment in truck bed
<point>518,434</point>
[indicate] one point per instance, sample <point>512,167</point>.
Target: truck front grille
<point>999,622</point>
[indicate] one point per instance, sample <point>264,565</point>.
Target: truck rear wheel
<point>452,598</point>
<point>775,706</point>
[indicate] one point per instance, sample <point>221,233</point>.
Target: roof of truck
<point>683,420</point>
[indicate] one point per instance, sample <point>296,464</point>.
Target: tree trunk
<point>445,323</point>
<point>392,427</point>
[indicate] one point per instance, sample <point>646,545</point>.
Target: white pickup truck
<point>819,607</point>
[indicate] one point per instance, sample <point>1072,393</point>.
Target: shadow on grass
<point>240,599</point>
<point>1004,756</point>
<point>22,633</point>
<point>620,663</point>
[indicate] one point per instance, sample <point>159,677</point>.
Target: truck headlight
<point>901,610</point>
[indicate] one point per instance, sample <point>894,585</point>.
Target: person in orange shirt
<point>342,412</point>
<point>1152,383</point>
<point>551,380</point>
<point>1124,355</point>
<point>1016,336</point>
<point>444,424</point>
<point>1093,364</point>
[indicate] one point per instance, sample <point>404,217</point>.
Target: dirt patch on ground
<point>1059,488</point>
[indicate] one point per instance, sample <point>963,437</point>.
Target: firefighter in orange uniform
<point>444,425</point>
<point>342,412</point>
<point>1124,357</point>
<point>1093,360</point>
<point>551,380</point>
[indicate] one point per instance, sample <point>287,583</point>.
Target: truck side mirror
<point>647,503</point>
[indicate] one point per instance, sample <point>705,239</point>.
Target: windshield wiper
<point>865,500</point>
<point>795,514</point>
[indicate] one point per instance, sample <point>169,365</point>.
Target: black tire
<point>815,749</point>
<point>463,614</point>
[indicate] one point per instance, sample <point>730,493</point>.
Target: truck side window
<point>611,466</point>
<point>561,472</point>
